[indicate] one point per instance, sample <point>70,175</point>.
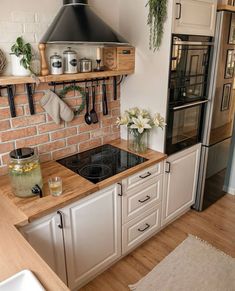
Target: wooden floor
<point>216,225</point>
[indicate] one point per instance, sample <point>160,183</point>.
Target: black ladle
<point>87,115</point>
<point>93,114</point>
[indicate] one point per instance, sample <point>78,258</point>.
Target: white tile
<point>22,16</point>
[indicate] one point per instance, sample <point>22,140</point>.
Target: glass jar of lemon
<point>25,172</point>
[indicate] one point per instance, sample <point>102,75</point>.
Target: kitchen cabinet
<point>46,236</point>
<point>141,206</point>
<point>194,17</point>
<point>92,232</point>
<point>180,183</point>
<point>86,237</point>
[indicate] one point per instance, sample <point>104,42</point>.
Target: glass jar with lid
<point>25,173</point>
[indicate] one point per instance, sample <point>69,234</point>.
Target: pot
<point>17,69</point>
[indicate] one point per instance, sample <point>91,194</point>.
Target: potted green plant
<point>21,57</point>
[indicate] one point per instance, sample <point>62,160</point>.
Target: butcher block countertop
<point>15,252</point>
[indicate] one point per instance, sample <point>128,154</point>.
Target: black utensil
<point>11,100</point>
<point>30,99</point>
<point>104,100</point>
<point>93,114</point>
<point>114,88</point>
<point>87,115</point>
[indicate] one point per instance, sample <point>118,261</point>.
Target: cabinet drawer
<point>140,228</point>
<point>136,202</point>
<point>143,176</point>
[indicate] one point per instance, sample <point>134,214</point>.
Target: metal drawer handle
<point>146,199</point>
<point>147,175</point>
<point>144,229</point>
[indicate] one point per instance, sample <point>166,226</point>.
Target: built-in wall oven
<point>188,82</point>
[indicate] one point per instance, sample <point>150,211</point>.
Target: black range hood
<point>77,23</point>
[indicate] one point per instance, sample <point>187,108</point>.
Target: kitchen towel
<point>56,108</point>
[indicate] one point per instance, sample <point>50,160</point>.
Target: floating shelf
<point>230,8</point>
<point>11,80</point>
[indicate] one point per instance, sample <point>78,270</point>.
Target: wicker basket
<point>3,62</point>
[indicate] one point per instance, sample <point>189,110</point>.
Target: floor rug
<point>194,265</point>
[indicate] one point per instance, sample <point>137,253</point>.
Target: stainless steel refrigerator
<point>219,115</point>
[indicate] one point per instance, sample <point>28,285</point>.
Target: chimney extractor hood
<point>77,23</point>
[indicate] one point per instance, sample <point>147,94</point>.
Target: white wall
<point>147,88</point>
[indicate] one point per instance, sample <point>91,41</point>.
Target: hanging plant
<point>156,19</point>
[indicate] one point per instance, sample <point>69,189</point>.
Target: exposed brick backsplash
<point>53,141</point>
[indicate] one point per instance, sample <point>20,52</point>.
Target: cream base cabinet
<point>194,17</point>
<point>46,236</point>
<point>92,231</point>
<point>180,183</point>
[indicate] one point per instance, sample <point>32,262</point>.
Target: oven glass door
<point>189,70</point>
<point>184,128</point>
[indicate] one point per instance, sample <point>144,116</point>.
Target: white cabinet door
<point>180,182</point>
<point>194,17</point>
<point>46,237</point>
<point>92,235</point>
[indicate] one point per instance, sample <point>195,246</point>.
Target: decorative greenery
<point>70,88</point>
<point>20,48</point>
<point>156,19</point>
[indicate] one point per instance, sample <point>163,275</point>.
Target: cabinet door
<point>194,17</point>
<point>46,238</point>
<point>180,182</point>
<point>92,235</point>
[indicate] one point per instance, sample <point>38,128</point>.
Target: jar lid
<point>22,153</point>
<point>85,60</point>
<point>69,51</point>
<point>55,56</point>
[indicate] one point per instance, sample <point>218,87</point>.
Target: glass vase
<point>137,142</point>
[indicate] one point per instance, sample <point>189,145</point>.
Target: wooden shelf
<point>11,80</point>
<point>222,7</point>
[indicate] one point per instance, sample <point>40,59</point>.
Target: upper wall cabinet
<point>194,17</point>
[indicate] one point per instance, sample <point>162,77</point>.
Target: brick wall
<point>21,18</point>
<point>53,141</point>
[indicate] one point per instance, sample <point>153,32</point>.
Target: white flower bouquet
<point>139,122</point>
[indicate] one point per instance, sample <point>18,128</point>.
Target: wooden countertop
<point>75,187</point>
<point>15,252</point>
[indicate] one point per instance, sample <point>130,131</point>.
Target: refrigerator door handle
<point>190,105</point>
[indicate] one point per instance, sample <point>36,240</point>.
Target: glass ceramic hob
<point>101,163</point>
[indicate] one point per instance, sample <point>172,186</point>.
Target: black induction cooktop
<point>101,163</point>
